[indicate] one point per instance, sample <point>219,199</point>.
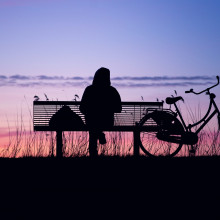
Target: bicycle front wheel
<point>154,147</point>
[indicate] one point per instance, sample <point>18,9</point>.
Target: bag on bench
<point>66,119</point>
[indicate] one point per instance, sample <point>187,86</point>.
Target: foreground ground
<point>118,187</point>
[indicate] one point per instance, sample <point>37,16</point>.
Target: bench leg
<point>59,144</point>
<point>136,143</point>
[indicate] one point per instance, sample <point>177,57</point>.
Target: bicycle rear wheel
<point>154,147</point>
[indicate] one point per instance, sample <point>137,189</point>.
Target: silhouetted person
<point>99,103</point>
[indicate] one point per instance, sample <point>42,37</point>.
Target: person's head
<point>102,77</point>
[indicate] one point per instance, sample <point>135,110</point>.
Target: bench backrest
<point>131,113</point>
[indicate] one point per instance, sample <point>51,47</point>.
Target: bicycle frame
<point>207,116</point>
<point>205,119</point>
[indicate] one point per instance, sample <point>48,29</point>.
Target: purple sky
<point>131,37</point>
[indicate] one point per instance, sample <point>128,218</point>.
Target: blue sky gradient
<point>131,37</point>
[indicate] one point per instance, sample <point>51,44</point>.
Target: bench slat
<point>132,112</point>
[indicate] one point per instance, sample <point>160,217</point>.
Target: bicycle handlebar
<point>197,93</point>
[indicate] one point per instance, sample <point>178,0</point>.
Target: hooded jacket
<point>100,101</point>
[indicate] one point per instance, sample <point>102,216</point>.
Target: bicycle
<point>167,134</point>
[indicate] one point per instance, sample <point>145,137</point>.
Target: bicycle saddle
<point>172,100</point>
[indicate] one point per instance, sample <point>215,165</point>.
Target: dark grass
<point>119,187</point>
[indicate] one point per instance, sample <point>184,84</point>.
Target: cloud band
<point>125,81</point>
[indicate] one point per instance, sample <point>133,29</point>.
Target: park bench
<point>125,121</point>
